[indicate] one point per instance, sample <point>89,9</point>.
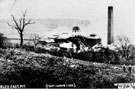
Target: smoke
<point>1,1</point>
<point>13,4</point>
<point>7,4</point>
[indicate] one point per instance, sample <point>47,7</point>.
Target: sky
<point>94,11</point>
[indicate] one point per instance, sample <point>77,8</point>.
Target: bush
<point>3,40</point>
<point>124,79</point>
<point>28,47</point>
<point>2,52</point>
<point>100,56</point>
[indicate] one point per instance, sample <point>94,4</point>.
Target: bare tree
<point>124,47</point>
<point>20,25</point>
<point>35,38</point>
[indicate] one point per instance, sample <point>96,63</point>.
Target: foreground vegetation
<point>36,70</point>
<point>36,67</point>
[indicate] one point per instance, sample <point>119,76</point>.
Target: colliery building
<point>78,40</point>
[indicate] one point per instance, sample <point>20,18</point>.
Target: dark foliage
<point>2,40</point>
<point>105,55</point>
<point>28,47</point>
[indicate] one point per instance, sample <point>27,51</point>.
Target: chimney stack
<point>110,25</point>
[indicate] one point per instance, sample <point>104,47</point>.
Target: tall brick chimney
<point>110,25</point>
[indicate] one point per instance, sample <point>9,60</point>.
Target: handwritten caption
<point>60,85</point>
<point>11,86</point>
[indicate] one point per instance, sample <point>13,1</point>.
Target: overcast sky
<point>94,11</point>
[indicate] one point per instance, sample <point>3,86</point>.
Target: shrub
<point>28,47</point>
<point>3,39</point>
<point>102,56</point>
<point>2,52</point>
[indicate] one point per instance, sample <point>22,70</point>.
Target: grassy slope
<point>38,68</point>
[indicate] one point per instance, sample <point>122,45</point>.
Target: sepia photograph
<point>67,44</point>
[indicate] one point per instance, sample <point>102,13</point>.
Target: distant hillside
<point>42,25</point>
